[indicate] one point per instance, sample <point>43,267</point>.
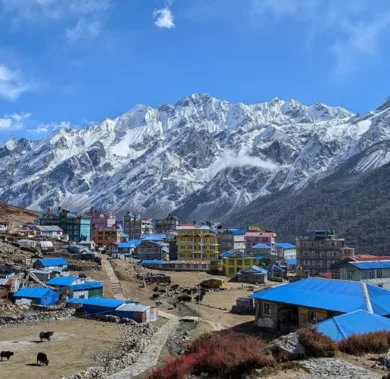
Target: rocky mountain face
<point>201,158</point>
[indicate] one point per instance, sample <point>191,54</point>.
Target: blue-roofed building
<point>285,250</point>
<point>97,305</point>
<point>36,295</point>
<point>124,237</point>
<point>231,239</point>
<point>308,301</point>
<point>291,264</point>
<point>254,274</point>
<point>372,271</point>
<point>236,261</point>
<point>124,248</point>
<point>154,237</point>
<point>137,312</point>
<point>152,249</point>
<point>62,281</point>
<point>57,264</point>
<point>353,323</point>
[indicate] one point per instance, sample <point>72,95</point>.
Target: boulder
<point>287,347</point>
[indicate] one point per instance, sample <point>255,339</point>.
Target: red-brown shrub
<point>223,354</point>
<point>375,342</point>
<point>316,344</point>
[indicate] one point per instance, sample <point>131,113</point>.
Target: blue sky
<point>74,62</point>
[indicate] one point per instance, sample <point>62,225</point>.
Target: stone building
<point>104,236</point>
<point>137,226</point>
<point>316,254</point>
<point>231,239</point>
<point>165,225</point>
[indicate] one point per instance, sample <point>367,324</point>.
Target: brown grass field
<point>69,351</point>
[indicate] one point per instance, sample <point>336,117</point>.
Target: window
<point>231,270</point>
<point>311,317</point>
<point>247,262</point>
<point>305,253</point>
<point>379,273</point>
<point>321,254</point>
<point>350,276</point>
<point>239,262</point>
<point>267,309</point>
<point>313,253</point>
<point>335,253</point>
<point>372,274</point>
<point>231,262</point>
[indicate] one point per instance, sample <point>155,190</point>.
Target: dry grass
<point>316,344</point>
<point>15,215</point>
<point>69,352</point>
<point>102,276</point>
<point>369,343</point>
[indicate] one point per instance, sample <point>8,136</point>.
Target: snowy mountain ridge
<point>202,157</point>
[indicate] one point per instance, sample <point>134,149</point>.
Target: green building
<point>78,228</point>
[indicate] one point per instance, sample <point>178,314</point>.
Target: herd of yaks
<point>41,357</point>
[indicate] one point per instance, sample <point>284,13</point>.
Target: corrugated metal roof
<point>128,244</point>
<point>335,295</point>
<point>123,235</point>
<point>153,237</point>
<point>44,228</point>
<point>255,269</point>
<point>132,308</point>
<point>261,246</point>
<point>34,292</point>
<point>62,281</point>
<point>291,261</point>
<point>358,322</point>
<point>53,262</point>
<point>99,302</point>
<point>151,261</point>
<point>236,232</point>
<point>87,285</point>
<point>285,245</point>
<point>371,265</point>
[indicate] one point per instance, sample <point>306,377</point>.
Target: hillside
<point>15,215</point>
<point>357,205</point>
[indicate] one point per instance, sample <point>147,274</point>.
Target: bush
<point>316,344</point>
<point>224,354</point>
<point>375,342</point>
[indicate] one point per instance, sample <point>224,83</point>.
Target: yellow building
<point>236,260</point>
<point>197,243</point>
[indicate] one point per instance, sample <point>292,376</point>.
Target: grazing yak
<point>45,335</point>
<point>42,358</point>
<point>184,299</point>
<point>6,354</point>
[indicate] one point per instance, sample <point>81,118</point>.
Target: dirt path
<point>150,356</point>
<point>115,284</point>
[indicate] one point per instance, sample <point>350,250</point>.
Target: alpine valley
<point>205,158</point>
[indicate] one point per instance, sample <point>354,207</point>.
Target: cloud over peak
<point>12,84</point>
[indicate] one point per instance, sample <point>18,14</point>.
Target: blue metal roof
<point>258,257</point>
<point>285,245</point>
<point>358,322</point>
<point>33,292</point>
<point>62,281</point>
<point>371,265</point>
<point>151,261</point>
<point>53,262</point>
<point>291,261</point>
<point>258,269</point>
<point>133,307</point>
<point>123,235</point>
<point>335,295</point>
<point>128,244</point>
<point>261,246</point>
<point>87,286</point>
<point>236,232</point>
<point>226,254</point>
<point>153,237</point>
<point>99,302</point>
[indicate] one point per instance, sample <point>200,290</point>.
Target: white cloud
<point>164,18</point>
<point>13,121</point>
<point>357,24</point>
<point>12,85</point>
<point>43,129</point>
<point>86,16</point>
<point>85,28</point>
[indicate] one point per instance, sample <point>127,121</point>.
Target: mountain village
<point>163,283</point>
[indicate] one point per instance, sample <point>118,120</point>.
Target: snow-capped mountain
<point>202,157</point>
